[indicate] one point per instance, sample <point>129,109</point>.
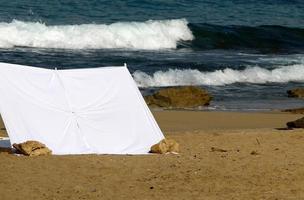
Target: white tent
<point>77,111</point>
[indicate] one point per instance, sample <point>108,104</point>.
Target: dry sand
<point>252,160</point>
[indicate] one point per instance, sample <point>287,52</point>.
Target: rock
<point>179,97</point>
<point>32,148</point>
<point>41,152</point>
<point>173,146</point>
<point>254,153</point>
<point>213,149</point>
<point>164,146</point>
<point>299,123</point>
<point>295,110</point>
<point>296,92</point>
<point>160,148</point>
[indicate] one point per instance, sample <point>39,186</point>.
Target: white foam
<point>151,34</point>
<point>176,77</point>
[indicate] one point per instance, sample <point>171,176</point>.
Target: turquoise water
<point>247,53</point>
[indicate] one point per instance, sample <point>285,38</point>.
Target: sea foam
<point>176,77</point>
<point>152,34</point>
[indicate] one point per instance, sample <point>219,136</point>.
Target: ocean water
<point>246,53</point>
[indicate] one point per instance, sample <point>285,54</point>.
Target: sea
<point>246,53</point>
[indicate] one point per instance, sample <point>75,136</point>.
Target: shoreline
<point>189,120</point>
<point>205,120</point>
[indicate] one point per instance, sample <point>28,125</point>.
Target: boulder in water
<point>296,92</point>
<point>179,97</point>
<point>299,123</point>
<point>32,148</point>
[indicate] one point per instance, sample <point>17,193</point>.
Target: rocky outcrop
<point>165,146</point>
<point>32,148</point>
<point>299,123</point>
<point>296,92</point>
<point>295,110</point>
<point>179,97</point>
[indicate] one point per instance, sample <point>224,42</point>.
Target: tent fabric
<point>77,111</point>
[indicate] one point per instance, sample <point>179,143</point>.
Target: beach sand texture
<point>223,156</point>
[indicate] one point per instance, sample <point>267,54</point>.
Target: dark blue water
<point>246,53</point>
<point>220,12</point>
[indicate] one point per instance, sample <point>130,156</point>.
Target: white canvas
<point>77,111</point>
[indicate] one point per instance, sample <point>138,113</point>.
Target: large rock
<point>299,123</point>
<point>32,148</point>
<point>296,92</point>
<point>179,97</point>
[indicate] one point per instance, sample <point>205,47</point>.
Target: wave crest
<point>149,35</point>
<point>177,77</point>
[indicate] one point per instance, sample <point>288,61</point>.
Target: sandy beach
<point>222,78</point>
<point>223,156</point>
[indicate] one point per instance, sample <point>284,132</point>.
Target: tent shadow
<point>5,146</point>
<point>284,129</point>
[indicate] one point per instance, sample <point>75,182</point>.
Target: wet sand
<point>253,159</point>
<point>189,121</point>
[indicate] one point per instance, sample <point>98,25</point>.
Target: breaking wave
<point>177,77</point>
<point>150,35</point>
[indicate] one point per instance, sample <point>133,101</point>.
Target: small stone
<point>213,149</point>
<point>255,153</point>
